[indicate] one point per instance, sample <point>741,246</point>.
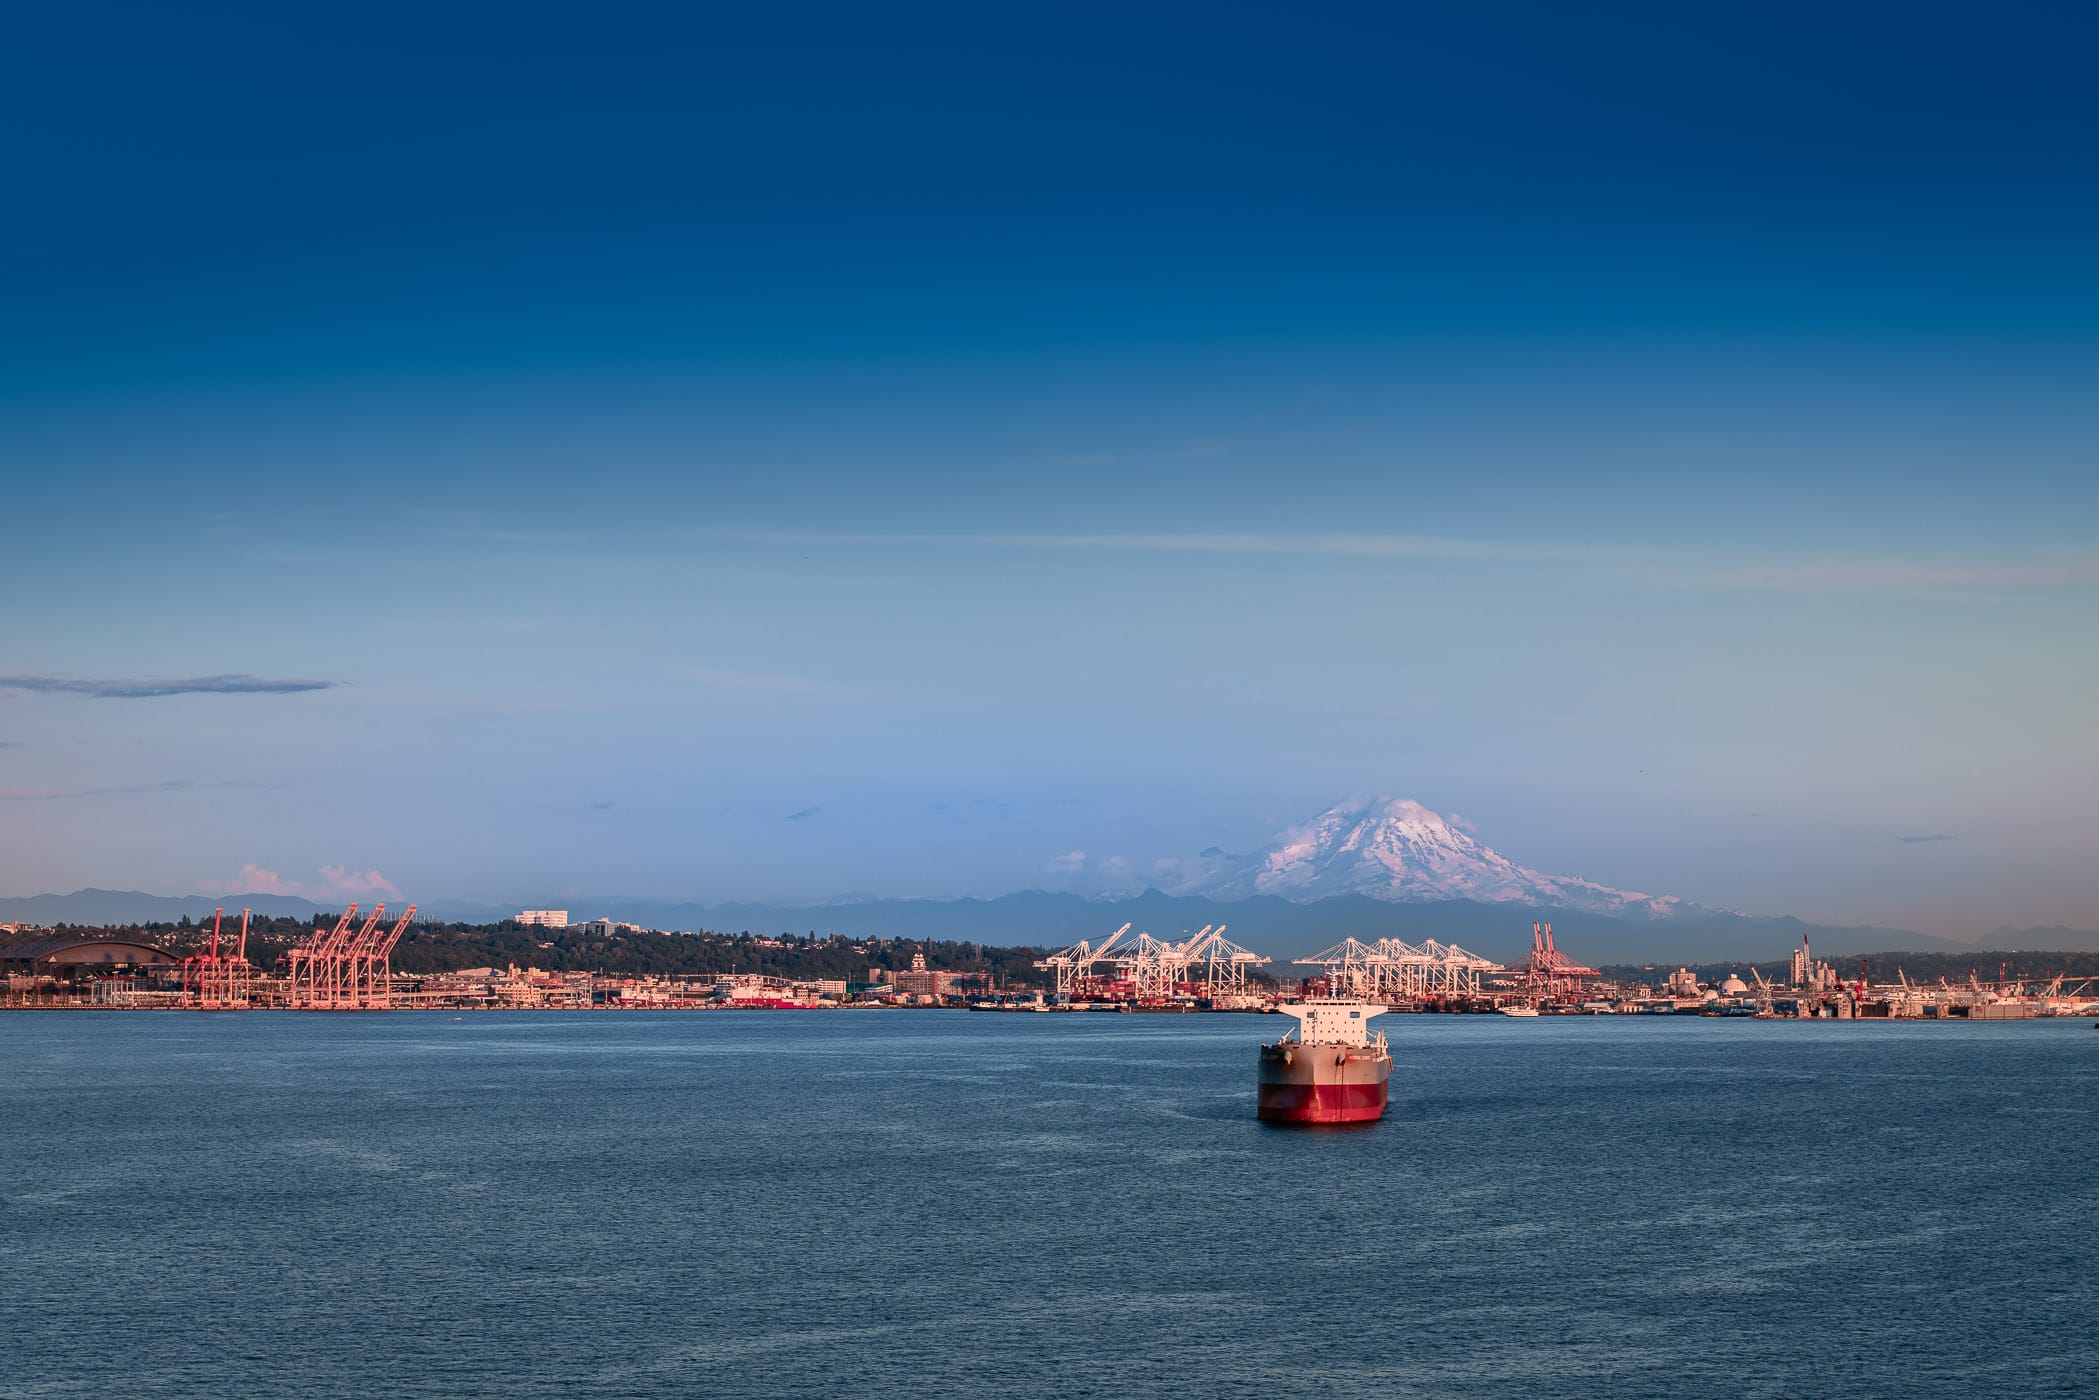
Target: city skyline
<point>743,459</point>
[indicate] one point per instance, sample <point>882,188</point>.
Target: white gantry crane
<point>1157,969</point>
<point>1353,969</point>
<point>1152,966</point>
<point>1436,969</point>
<point>1205,963</point>
<point>1224,965</point>
<point>1074,965</point>
<point>1392,970</point>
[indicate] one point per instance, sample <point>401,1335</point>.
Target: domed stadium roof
<point>88,947</point>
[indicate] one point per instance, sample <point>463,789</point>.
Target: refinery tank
<point>1330,1069</point>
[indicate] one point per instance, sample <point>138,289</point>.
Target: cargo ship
<point>1331,1069</point>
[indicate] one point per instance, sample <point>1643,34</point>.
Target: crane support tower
<point>1154,971</point>
<point>1549,974</point>
<point>217,978</point>
<point>1392,970</point>
<point>1073,967</point>
<point>346,968</point>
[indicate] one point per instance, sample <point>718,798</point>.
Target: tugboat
<point>1333,1070</point>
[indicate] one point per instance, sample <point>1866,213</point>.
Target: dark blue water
<point>945,1204</point>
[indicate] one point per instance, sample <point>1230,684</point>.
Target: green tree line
<point>449,947</point>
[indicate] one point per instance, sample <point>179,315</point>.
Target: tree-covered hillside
<point>435,947</point>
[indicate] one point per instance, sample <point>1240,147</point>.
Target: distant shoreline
<point>53,1005</point>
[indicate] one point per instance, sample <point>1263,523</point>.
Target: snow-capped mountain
<point>1396,849</point>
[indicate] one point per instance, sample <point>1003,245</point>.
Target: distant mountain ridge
<point>95,907</point>
<point>1287,928</point>
<point>1395,849</point>
<point>1271,924</point>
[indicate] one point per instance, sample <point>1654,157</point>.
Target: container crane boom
<point>386,944</point>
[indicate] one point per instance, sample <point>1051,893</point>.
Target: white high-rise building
<point>545,918</point>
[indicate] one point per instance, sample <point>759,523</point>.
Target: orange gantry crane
<point>376,966</point>
<point>217,979</point>
<point>346,968</point>
<point>310,963</point>
<point>342,961</point>
<point>1551,974</point>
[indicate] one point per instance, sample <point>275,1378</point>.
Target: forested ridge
<point>449,947</point>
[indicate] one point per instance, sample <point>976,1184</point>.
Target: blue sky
<point>783,456</point>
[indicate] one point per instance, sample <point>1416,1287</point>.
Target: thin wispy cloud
<point>1675,567</point>
<point>1897,576</point>
<point>1658,565</point>
<point>467,626</point>
<point>526,538</point>
<point>481,526</point>
<point>804,815</point>
<point>1923,840</point>
<point>126,790</point>
<point>757,680</point>
<point>1344,546</point>
<point>1190,452</point>
<point>144,688</point>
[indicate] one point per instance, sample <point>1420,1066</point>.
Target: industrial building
<point>42,962</point>
<point>48,950</point>
<point>922,981</point>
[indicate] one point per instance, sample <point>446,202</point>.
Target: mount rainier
<point>1397,850</point>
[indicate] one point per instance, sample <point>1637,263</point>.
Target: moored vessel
<point>1331,1069</point>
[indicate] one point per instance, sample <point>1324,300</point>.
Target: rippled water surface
<point>947,1204</point>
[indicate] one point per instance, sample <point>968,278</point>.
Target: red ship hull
<point>1321,1083</point>
<point>1320,1103</point>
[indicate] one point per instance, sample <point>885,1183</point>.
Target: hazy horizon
<point>744,457</point>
